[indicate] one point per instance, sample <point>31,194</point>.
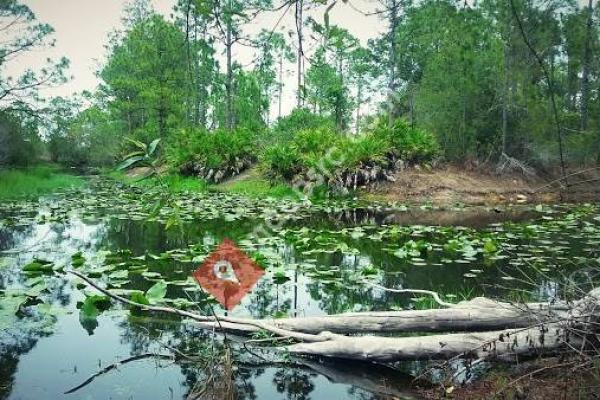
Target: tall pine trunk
<point>393,10</point>
<point>587,59</point>
<point>358,101</point>
<point>506,89</point>
<point>229,84</point>
<point>299,24</point>
<point>280,86</point>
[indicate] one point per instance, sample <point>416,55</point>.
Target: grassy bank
<point>257,187</point>
<point>251,184</point>
<point>174,183</point>
<point>34,181</point>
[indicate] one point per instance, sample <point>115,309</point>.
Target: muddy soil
<point>451,185</point>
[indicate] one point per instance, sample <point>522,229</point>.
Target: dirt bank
<point>451,185</point>
<point>532,380</point>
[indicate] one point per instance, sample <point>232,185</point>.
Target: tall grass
<point>172,182</point>
<point>256,187</point>
<point>34,181</point>
<point>177,183</point>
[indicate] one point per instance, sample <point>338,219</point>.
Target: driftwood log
<point>480,329</point>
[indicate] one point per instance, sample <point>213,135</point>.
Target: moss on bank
<point>253,184</point>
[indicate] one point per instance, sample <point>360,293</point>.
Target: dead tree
<point>481,329</point>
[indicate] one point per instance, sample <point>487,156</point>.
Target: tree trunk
<point>229,84</point>
<point>550,82</point>
<point>358,101</point>
<point>188,51</point>
<point>546,329</point>
<point>280,85</point>
<point>587,59</point>
<point>487,345</point>
<point>479,314</point>
<point>411,104</point>
<point>299,23</point>
<point>506,90</point>
<point>393,11</point>
<point>202,93</point>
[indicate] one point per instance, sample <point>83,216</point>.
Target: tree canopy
<point>488,78</point>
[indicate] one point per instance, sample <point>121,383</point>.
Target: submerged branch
<point>431,293</point>
<point>116,365</point>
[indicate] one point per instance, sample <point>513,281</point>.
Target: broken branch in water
<point>116,365</point>
<point>431,293</point>
<point>201,318</point>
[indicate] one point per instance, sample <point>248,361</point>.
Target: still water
<point>316,259</point>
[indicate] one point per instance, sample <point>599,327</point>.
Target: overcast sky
<point>82,28</point>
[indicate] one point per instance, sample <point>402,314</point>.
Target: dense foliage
<point>485,79</point>
<point>19,143</point>
<point>213,155</point>
<point>325,154</point>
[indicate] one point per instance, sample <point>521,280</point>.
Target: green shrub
<point>315,141</point>
<point>407,143</point>
<point>215,149</point>
<point>306,150</point>
<point>282,162</point>
<point>325,151</point>
<point>298,120</point>
<point>364,150</point>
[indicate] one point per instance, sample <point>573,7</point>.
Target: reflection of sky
<point>70,354</point>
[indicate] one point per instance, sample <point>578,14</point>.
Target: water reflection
<point>43,356</point>
<point>44,360</point>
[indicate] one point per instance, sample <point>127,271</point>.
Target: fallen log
<point>478,345</point>
<point>575,330</point>
<point>479,314</point>
<point>544,329</point>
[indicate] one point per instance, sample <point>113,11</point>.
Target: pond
<point>319,259</point>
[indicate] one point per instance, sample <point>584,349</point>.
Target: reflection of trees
<point>8,366</point>
<point>10,237</point>
<point>147,335</point>
<point>294,383</point>
<point>144,236</point>
<point>16,341</point>
<point>475,217</point>
<point>267,298</point>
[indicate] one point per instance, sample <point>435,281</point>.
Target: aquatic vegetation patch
<point>320,250</point>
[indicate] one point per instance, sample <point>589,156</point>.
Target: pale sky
<point>82,28</point>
